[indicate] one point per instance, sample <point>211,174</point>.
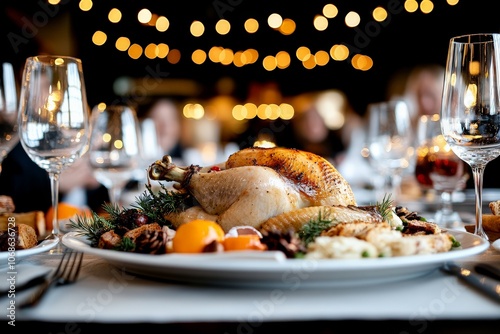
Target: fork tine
<point>73,269</point>
<point>66,272</point>
<point>58,272</point>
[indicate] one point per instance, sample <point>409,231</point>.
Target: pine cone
<point>152,242</point>
<point>286,242</point>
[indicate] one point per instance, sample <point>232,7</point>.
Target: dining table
<point>110,297</point>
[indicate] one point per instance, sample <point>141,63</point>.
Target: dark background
<point>405,40</point>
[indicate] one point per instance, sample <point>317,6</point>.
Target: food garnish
<point>194,236</point>
<point>149,207</point>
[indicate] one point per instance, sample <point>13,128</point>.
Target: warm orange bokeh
<point>65,211</point>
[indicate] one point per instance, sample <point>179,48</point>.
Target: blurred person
<point>423,90</point>
<point>167,119</point>
<point>165,115</point>
<point>323,124</point>
<point>29,185</point>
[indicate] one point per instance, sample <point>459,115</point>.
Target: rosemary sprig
<point>155,206</point>
<point>313,229</point>
<point>92,227</point>
<point>126,245</point>
<point>385,207</point>
<point>113,210</point>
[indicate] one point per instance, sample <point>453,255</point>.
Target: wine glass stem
<point>446,203</point>
<point>392,184</point>
<point>54,188</point>
<point>477,173</point>
<point>115,195</point>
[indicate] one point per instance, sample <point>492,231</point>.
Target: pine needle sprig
<point>113,210</point>
<point>313,229</point>
<point>156,205</point>
<point>91,227</point>
<point>385,207</point>
<point>126,245</point>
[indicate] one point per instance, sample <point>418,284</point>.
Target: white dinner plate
<point>42,246</point>
<point>272,269</point>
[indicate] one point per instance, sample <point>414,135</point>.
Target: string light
<point>308,58</point>
<point>240,58</point>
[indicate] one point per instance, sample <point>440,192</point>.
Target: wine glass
<point>438,168</point>
<point>470,110</point>
<point>389,142</point>
<point>8,110</point>
<point>53,118</point>
<point>151,150</point>
<point>115,147</point>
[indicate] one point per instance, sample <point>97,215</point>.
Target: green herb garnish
<point>385,207</point>
<point>454,242</point>
<point>155,206</point>
<point>92,227</point>
<point>313,229</point>
<point>126,245</point>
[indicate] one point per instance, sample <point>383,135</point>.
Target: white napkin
<point>18,274</point>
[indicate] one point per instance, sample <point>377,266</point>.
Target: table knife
<point>37,280</point>
<point>488,270</point>
<point>485,284</point>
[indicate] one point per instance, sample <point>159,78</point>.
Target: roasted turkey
<point>257,184</point>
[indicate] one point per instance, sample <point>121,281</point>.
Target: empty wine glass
<point>470,110</point>
<point>53,118</point>
<point>151,150</point>
<point>115,147</point>
<point>389,142</point>
<point>8,110</point>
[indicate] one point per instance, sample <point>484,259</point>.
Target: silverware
<point>482,283</point>
<point>66,273</point>
<point>488,270</point>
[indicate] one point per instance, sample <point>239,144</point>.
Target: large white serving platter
<point>272,269</point>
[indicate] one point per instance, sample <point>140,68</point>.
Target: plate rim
<point>241,261</point>
<point>44,245</point>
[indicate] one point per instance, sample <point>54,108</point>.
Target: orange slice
<point>193,236</point>
<point>243,242</point>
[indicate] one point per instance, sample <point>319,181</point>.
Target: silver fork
<point>66,273</point>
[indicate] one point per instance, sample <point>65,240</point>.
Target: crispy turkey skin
<point>256,184</point>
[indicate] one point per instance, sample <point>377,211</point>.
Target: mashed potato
<point>378,243</point>
<point>339,247</point>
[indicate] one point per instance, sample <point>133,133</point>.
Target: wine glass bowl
<point>389,143</point>
<point>470,109</point>
<point>438,169</point>
<point>8,110</point>
<point>115,147</point>
<point>448,172</point>
<point>53,117</point>
<point>428,128</point>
